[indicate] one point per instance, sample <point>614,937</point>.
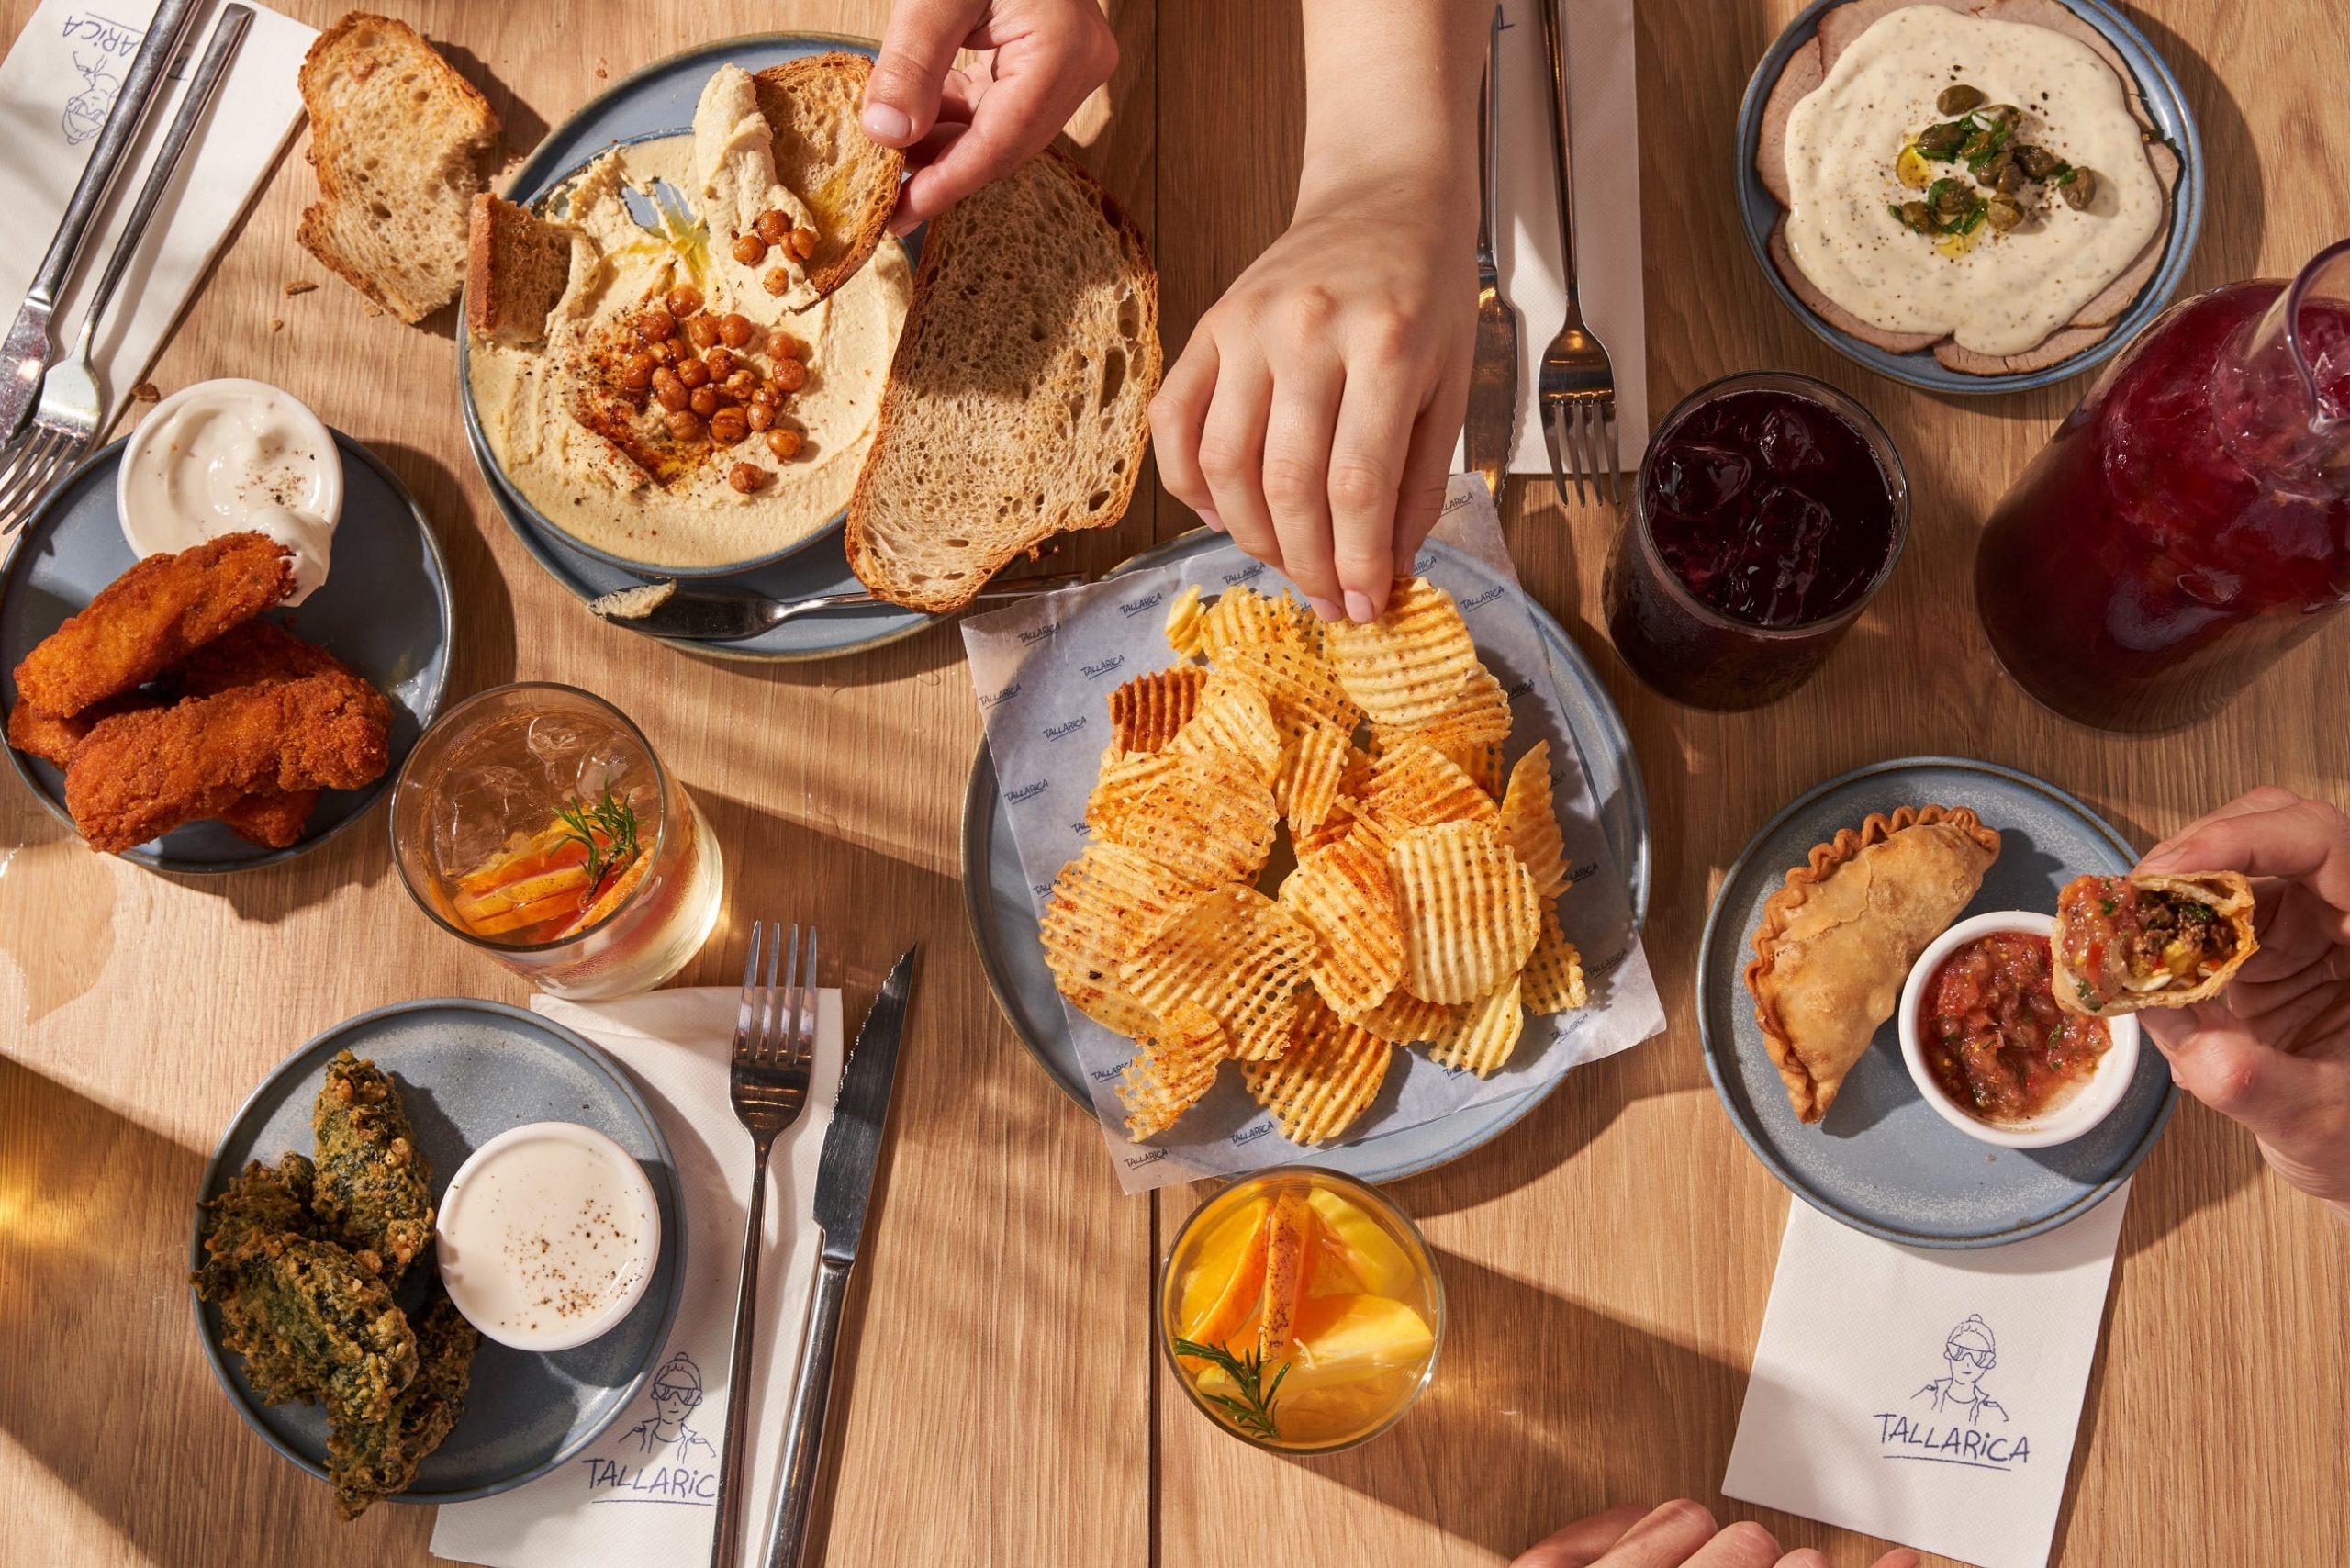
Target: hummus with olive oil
<point>2007,292</point>
<point>689,514</point>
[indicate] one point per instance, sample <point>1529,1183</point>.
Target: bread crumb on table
<point>145,392</point>
<point>277,323</point>
<point>300,286</point>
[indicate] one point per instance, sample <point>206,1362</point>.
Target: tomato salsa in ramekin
<point>1990,1050</point>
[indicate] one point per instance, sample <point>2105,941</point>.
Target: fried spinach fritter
<point>375,1192</point>
<point>368,1460</point>
<point>310,1322</point>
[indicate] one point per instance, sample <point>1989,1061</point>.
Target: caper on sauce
<point>1981,137</point>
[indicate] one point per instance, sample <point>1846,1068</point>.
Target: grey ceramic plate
<point>1882,1161</point>
<point>997,901</point>
<point>2165,100</point>
<point>466,1071</point>
<point>657,101</point>
<point>383,609</point>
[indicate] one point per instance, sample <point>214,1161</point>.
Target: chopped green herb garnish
<point>2105,905</point>
<point>611,818</point>
<point>2197,914</point>
<point>2089,996</point>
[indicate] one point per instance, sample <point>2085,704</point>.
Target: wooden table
<point>1607,1261</point>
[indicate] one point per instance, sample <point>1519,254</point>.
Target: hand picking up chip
<point>1422,908</point>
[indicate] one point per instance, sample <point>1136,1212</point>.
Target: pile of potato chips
<point>1423,907</point>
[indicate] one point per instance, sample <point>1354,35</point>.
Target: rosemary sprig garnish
<point>613,817</point>
<point>1252,1412</point>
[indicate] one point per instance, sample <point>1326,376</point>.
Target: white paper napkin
<point>1043,668</point>
<point>645,1492</point>
<point>1605,131</point>
<point>57,86</point>
<point>1925,1396</point>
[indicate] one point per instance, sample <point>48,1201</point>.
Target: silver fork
<point>769,1083</point>
<point>72,407</point>
<point>1577,383</point>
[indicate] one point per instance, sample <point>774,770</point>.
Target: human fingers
<point>2262,798</point>
<point>1428,462</point>
<point>1900,1557</point>
<point>1037,82</point>
<point>1667,1537</point>
<point>1232,449</point>
<point>917,50</point>
<point>1583,1542</point>
<point>1177,413</point>
<point>1742,1544</point>
<point>1307,384</point>
<point>1803,1557</point>
<point>2307,841</point>
<point>1368,456</point>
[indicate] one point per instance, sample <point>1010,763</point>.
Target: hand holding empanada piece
<point>2126,943</point>
<point>1836,943</point>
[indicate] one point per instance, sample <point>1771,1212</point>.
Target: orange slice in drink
<point>1222,1290</point>
<point>1289,1227</point>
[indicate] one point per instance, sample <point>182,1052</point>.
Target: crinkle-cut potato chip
<point>1294,677</point>
<point>1481,1038</point>
<point>1414,785</point>
<point>1234,717</point>
<point>1405,1019</point>
<point>1345,818</point>
<point>1530,824</point>
<point>1183,619</point>
<point>1552,978</point>
<point>1471,914</point>
<point>1124,778</point>
<point>1100,904</point>
<point>1242,616</point>
<point>1346,893</point>
<point>1235,952</point>
<point>1172,1070</point>
<point>1210,819</point>
<point>1327,1079</point>
<point>1411,666</point>
<point>1147,711</point>
<point>1313,765</point>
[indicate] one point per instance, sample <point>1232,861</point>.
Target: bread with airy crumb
<point>1017,404</point>
<point>517,264</point>
<point>848,180</point>
<point>397,138</point>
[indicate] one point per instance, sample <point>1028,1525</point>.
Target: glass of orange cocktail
<point>1301,1310</point>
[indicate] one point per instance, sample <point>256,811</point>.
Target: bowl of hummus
<point>1969,196</point>
<point>686,411</point>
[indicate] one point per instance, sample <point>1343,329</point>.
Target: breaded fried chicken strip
<point>138,775</point>
<point>151,618</point>
<point>255,654</point>
<point>54,740</point>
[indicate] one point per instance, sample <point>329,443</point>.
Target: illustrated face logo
<point>86,111</point>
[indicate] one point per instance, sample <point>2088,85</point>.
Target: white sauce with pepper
<point>234,456</point>
<point>2012,289</point>
<point>546,1236</point>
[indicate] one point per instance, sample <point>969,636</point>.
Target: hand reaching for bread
<point>964,128</point>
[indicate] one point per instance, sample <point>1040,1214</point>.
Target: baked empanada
<point>1836,943</point>
<point>2126,943</point>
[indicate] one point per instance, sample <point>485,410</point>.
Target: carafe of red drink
<point>2190,521</point>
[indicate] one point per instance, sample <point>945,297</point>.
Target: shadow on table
<point>109,1391</point>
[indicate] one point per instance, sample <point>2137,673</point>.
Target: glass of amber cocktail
<point>535,822</point>
<point>1301,1310</point>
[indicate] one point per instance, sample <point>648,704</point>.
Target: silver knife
<point>27,348</point>
<point>1491,432</point>
<point>729,615</point>
<point>843,1183</point>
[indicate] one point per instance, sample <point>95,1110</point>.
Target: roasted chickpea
<point>703,400</point>
<point>746,478</point>
<point>802,243</point>
<point>783,346</point>
<point>776,281</point>
<point>665,352</point>
<point>693,372</point>
<point>734,329</point>
<point>684,426</point>
<point>750,249</point>
<point>758,415</point>
<point>636,374</point>
<point>668,390</point>
<point>728,426</point>
<point>655,324</point>
<point>719,362</point>
<point>790,376</point>
<point>784,442</point>
<point>772,226</point>
<point>702,330</point>
<point>684,300</point>
<point>740,384</point>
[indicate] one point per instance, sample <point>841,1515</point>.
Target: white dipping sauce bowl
<point>2089,1104</point>
<point>194,470</point>
<point>547,1235</point>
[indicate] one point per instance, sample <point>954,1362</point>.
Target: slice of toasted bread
<point>1017,404</point>
<point>516,266</point>
<point>396,135</point>
<point>848,180</point>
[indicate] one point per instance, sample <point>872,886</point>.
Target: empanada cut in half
<point>1836,943</point>
<point>2126,943</point>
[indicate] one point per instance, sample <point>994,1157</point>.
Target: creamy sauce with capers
<point>2009,290</point>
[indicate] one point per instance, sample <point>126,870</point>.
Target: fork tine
<point>770,1029</point>
<point>1576,454</point>
<point>1550,444</point>
<point>1595,458</point>
<point>33,460</point>
<point>803,1044</point>
<point>743,1017</point>
<point>1614,452</point>
<point>1562,453</point>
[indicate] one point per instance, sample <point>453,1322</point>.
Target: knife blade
<point>1491,433</point>
<point>730,615</point>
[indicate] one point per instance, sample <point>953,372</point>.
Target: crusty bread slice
<point>516,266</point>
<point>847,179</point>
<point>396,135</point>
<point>1017,406</point>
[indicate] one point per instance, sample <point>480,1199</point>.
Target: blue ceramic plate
<point>2164,99</point>
<point>467,1071</point>
<point>1882,1161</point>
<point>1004,924</point>
<point>383,609</point>
<point>659,101</point>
